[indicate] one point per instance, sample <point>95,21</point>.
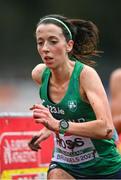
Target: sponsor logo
<point>55,110</point>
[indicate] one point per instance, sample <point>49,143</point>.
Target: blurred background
<point>18,54</point>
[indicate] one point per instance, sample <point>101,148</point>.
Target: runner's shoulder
<point>37,72</point>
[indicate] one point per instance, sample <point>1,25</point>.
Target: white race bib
<point>74,149</point>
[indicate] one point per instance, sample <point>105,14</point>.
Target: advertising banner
<point>17,160</point>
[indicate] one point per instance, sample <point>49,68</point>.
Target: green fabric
<point>73,108</point>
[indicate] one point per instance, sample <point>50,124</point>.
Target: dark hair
<point>85,35</point>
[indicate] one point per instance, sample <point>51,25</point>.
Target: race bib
<point>74,149</point>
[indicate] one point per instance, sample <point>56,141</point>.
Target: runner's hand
<point>33,144</point>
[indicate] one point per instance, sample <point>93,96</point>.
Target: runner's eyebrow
<point>50,38</point>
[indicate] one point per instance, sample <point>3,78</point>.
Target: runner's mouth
<point>48,59</point>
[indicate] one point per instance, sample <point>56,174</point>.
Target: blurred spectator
<point>17,95</point>
<point>115,97</point>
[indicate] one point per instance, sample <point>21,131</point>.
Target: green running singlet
<point>81,155</point>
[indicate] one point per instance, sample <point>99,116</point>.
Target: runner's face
<point>51,44</point>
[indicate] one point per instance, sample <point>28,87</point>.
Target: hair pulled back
<point>85,35</point>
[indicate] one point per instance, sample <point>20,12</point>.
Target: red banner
<point>15,133</point>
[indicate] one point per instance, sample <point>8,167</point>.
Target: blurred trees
<point>18,19</point>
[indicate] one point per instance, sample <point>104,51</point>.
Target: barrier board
<point>17,161</point>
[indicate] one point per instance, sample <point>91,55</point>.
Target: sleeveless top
<point>81,155</point>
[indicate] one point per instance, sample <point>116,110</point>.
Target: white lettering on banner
<point>19,144</point>
<point>18,151</point>
<point>39,176</point>
<point>55,110</point>
<point>28,178</point>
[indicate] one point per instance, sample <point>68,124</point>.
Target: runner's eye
<point>40,43</point>
<point>53,42</point>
